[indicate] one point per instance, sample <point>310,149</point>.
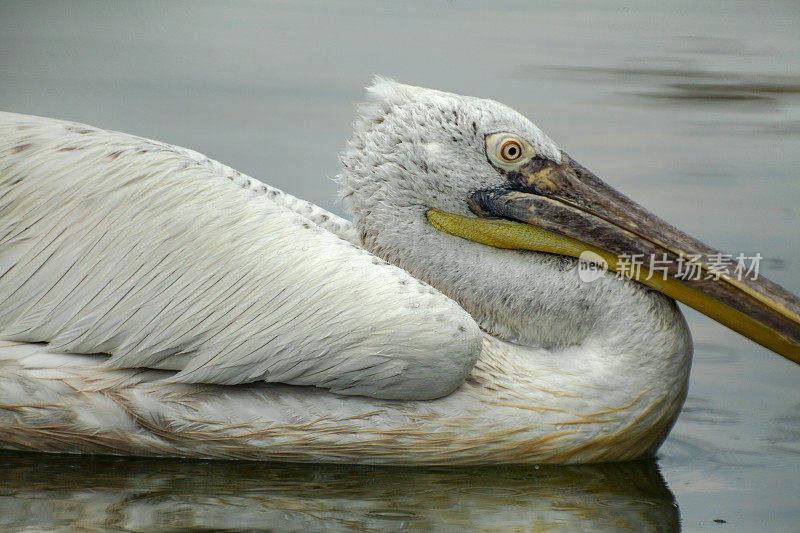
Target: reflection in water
<point>52,491</point>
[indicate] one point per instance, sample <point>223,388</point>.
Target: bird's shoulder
<point>165,258</point>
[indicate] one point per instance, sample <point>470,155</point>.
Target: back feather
<point>166,259</point>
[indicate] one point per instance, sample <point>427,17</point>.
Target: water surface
<point>691,108</point>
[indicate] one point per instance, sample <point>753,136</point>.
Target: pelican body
<point>156,302</point>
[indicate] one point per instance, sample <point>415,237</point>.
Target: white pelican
<point>156,302</point>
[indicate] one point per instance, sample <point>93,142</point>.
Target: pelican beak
<point>563,208</point>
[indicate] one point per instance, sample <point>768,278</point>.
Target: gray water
<point>691,108</point>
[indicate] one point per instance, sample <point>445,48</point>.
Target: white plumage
<point>169,261</point>
<point>166,259</point>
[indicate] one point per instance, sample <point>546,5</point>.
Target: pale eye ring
<point>510,150</point>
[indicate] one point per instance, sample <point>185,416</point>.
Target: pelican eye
<point>511,151</point>
<point>508,151</point>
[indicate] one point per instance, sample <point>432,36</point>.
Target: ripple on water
<point>700,410</point>
<point>705,458</point>
<point>392,514</point>
<point>685,84</point>
<point>784,435</point>
<point>713,353</point>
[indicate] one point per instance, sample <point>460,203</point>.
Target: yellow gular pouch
<point>502,233</point>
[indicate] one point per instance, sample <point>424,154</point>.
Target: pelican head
<point>472,197</point>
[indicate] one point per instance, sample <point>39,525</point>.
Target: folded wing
<point>163,258</point>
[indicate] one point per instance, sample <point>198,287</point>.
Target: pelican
<point>156,302</point>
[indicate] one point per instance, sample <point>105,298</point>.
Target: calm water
<point>692,108</point>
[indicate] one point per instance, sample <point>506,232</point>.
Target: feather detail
<point>166,259</point>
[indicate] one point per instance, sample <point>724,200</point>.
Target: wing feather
<point>163,258</point>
